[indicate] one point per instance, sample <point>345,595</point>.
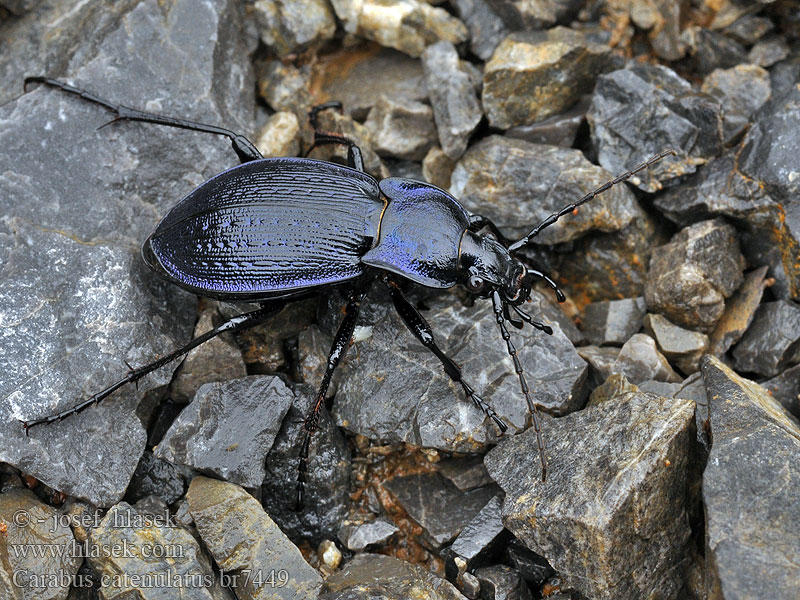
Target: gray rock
<point>410,26</point>
<point>682,347</point>
<point>244,541</point>
<point>370,576</point>
<point>500,582</point>
<point>284,87</point>
<point>288,27</point>
<point>601,360</point>
<point>20,7</point>
<point>40,555</point>
<point>532,76</point>
<point>545,306</point>
<point>709,50</point>
<point>504,178</point>
<point>280,135</point>
<point>151,555</point>
<point>358,537</point>
<point>639,361</point>
<point>486,29</point>
<point>155,477</point>
<point>479,539</point>
<point>327,481</point>
<point>402,129</point>
<point>393,389</point>
<point>752,539</point>
<point>229,428</point>
<point>662,19</point>
<point>533,568</point>
<point>690,278</point>
<point>456,109</point>
<point>465,473</point>
<point>742,89</point>
<point>785,388</point>
<point>660,388</point>
<point>768,51</point>
<point>439,507</point>
<point>642,110</point>
<point>558,130</point>
<point>613,321</point>
<point>437,167</point>
<point>96,305</point>
<point>521,14</point>
<point>749,28</point>
<point>739,312</point>
<point>333,122</point>
<point>770,344</point>
<point>615,493</point>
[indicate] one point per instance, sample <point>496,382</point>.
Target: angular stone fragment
<point>388,578</point>
<point>533,568</point>
<point>770,344</point>
<point>406,25</point>
<point>601,360</point>
<point>479,538</point>
<point>486,29</point>
<point>558,130</point>
<point>613,321</point>
<point>532,76</point>
<point>639,361</point>
<point>749,28</point>
<point>244,540</point>
<point>155,477</point>
<point>615,493</point>
<point>437,168</point>
<point>518,184</point>
<point>641,111</point>
<point>501,582</point>
<point>439,507</point>
<point>284,88</point>
<point>662,19</point>
<point>456,109</point>
<point>280,135</point>
<point>229,428</point>
<point>768,51</point>
<point>709,50</point>
<point>681,346</point>
<point>358,537</point>
<point>465,473</point>
<point>287,27</point>
<point>332,121</point>
<point>739,312</point>
<point>690,278</point>
<point>40,555</point>
<point>742,90</point>
<point>785,388</point>
<point>752,539</point>
<point>402,129</point>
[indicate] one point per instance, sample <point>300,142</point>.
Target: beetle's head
<point>486,266</point>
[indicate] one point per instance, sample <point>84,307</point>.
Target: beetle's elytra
<point>272,230</point>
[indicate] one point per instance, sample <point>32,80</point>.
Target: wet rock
<point>751,539</point>
<point>616,482</point>
<point>40,556</point>
<point>532,76</point>
<point>244,540</point>
<point>742,89</point>
<point>709,50</point>
<point>152,554</point>
<point>393,389</point>
<point>440,508</point>
<point>96,304</point>
<point>662,20</point>
<point>601,360</point>
<point>284,87</point>
<point>768,51</point>
<point>500,582</point>
<point>377,576</point>
<point>479,539</point>
<point>358,537</point>
<point>359,76</point>
<point>613,321</point>
<point>465,473</point>
<point>639,361</point>
<point>558,130</point>
<point>690,278</point>
<point>770,344</point>
<point>228,428</point>
<point>456,109</point>
<point>520,14</point>
<point>486,29</point>
<point>409,26</point>
<point>437,167</point>
<point>287,27</point>
<point>280,135</point>
<point>327,481</point>
<point>739,312</point>
<point>504,178</point>
<point>641,111</point>
<point>155,477</point>
<point>682,347</point>
<point>767,229</point>
<point>785,388</point>
<point>401,129</point>
<point>216,360</point>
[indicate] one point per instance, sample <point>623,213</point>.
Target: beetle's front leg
<point>478,222</point>
<point>423,332</point>
<point>341,343</point>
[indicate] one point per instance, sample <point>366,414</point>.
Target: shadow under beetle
<point>273,230</point>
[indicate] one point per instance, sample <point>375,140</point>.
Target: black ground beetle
<point>273,230</point>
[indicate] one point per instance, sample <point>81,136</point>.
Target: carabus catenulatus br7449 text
<point>273,230</point>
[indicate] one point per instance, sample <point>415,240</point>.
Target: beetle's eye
<point>474,284</point>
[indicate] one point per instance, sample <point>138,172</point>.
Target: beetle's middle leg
<point>422,331</point>
<point>237,323</point>
<point>244,148</point>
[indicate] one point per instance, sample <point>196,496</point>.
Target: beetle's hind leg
<point>237,323</point>
<point>244,148</point>
<point>423,332</point>
<point>322,138</point>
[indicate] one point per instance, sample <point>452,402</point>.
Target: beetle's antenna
<point>497,304</point>
<point>573,207</point>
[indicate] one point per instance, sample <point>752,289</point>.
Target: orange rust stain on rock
<point>336,66</point>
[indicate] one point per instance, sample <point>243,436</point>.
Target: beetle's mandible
<point>273,230</point>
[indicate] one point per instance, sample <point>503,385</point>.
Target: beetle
<point>274,230</point>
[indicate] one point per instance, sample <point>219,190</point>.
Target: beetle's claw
<point>500,424</point>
